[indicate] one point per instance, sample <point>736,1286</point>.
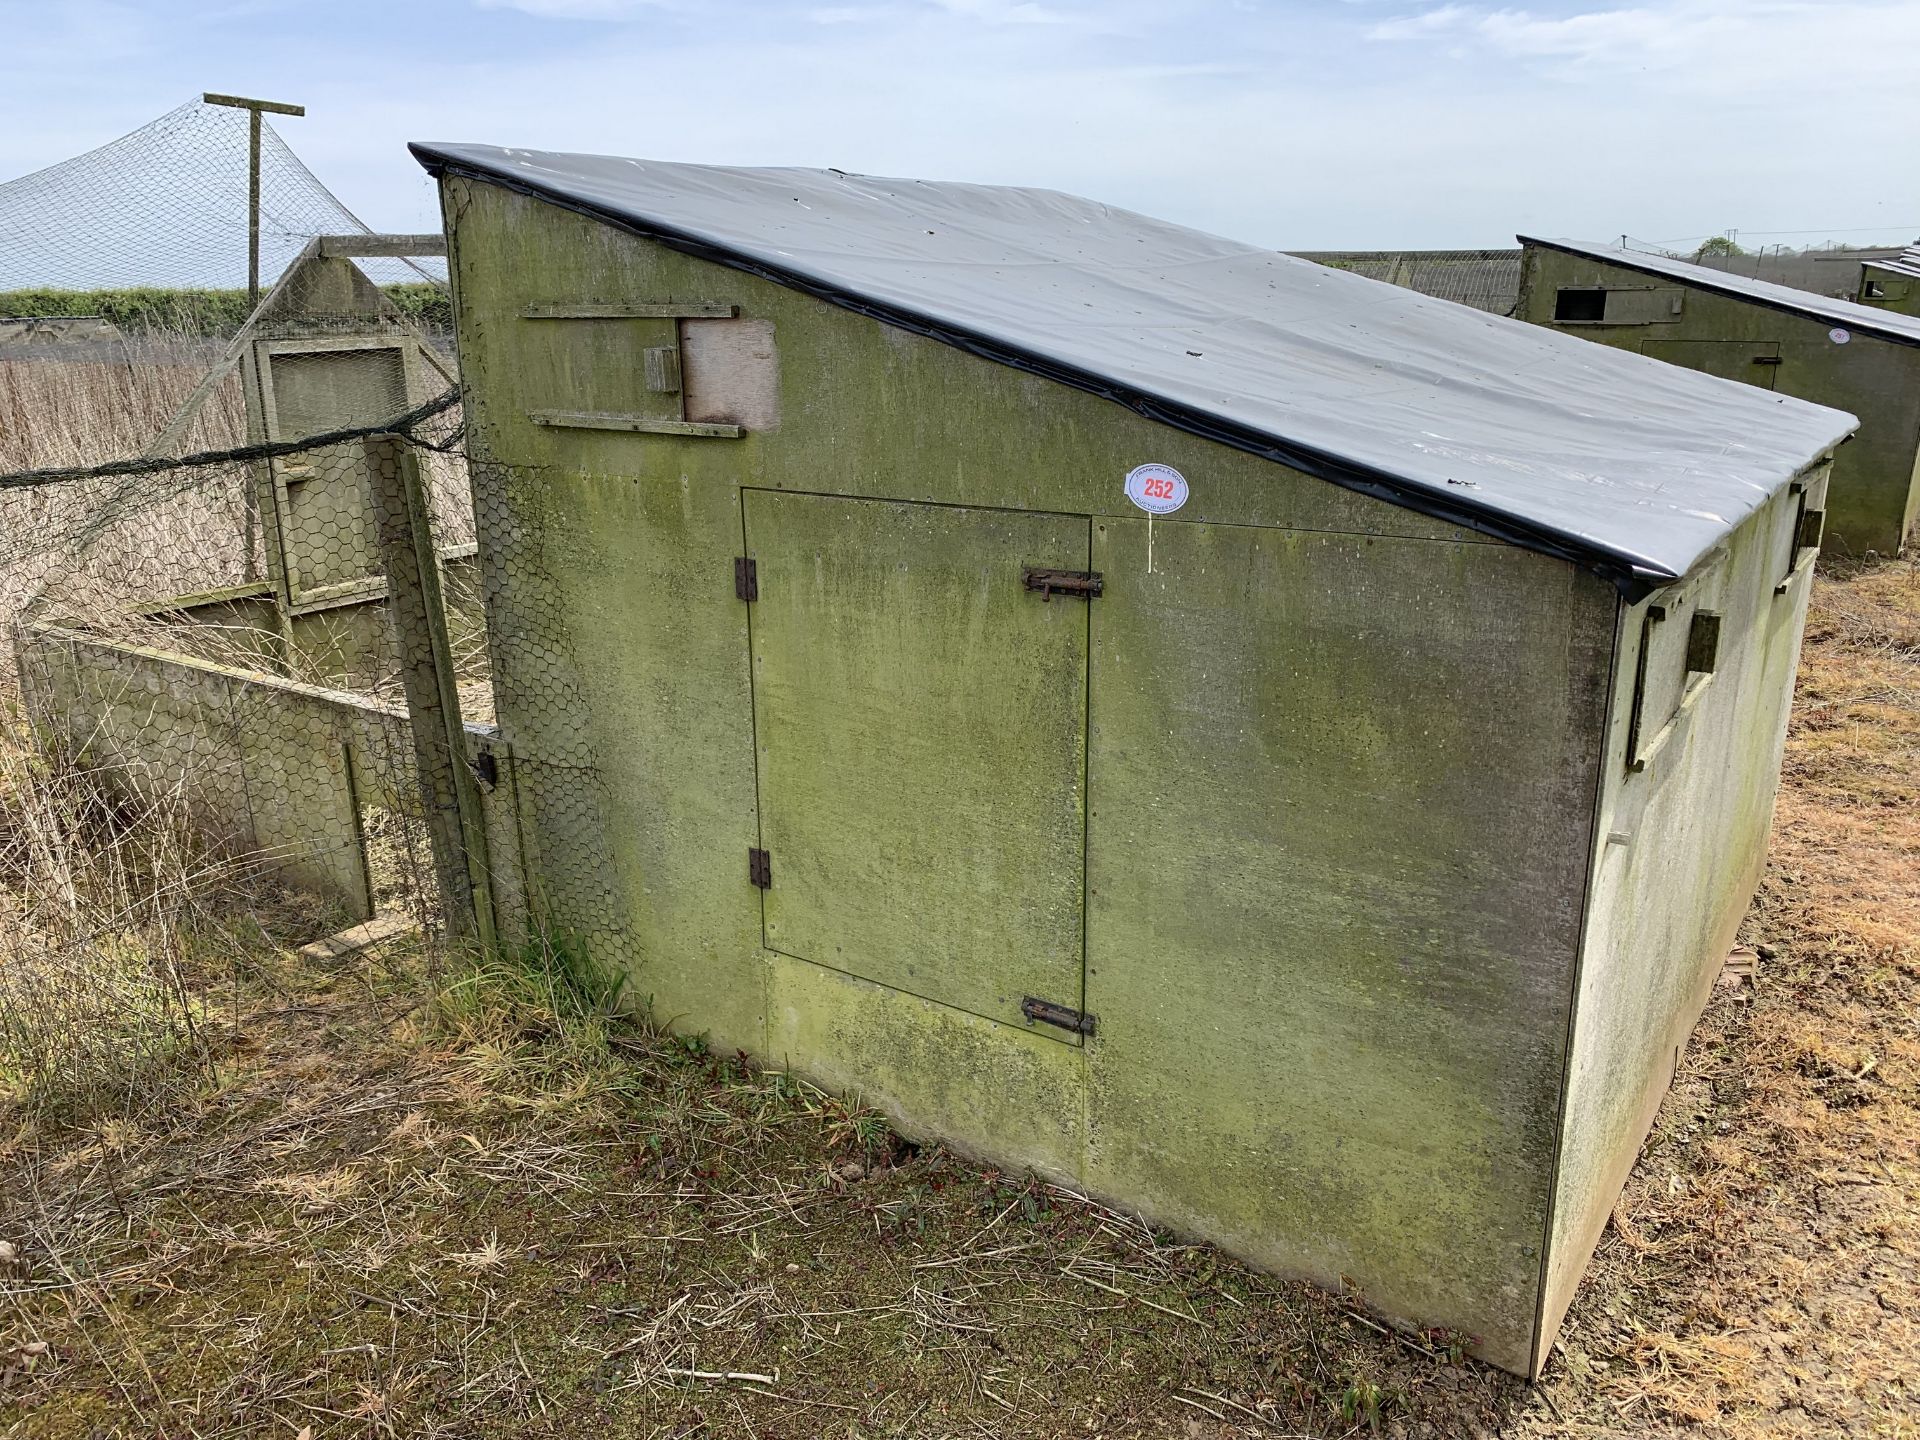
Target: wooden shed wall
<point>1340,774</point>
<point>1876,476</point>
<point>1683,840</point>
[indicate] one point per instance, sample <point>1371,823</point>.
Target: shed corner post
<point>1523,293</point>
<point>449,793</point>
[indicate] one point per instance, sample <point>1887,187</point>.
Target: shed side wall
<point>1875,499</point>
<point>1682,844</point>
<point>1403,1076</point>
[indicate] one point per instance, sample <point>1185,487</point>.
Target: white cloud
<point>1637,36</point>
<point>1714,45</point>
<point>1274,123</point>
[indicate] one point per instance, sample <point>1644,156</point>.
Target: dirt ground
<point>494,1213</point>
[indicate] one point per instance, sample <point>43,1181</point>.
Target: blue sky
<point>1296,123</point>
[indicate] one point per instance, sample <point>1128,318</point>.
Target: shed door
<point>330,545</point>
<point>920,721</point>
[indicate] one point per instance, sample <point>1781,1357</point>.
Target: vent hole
<point>1577,306</point>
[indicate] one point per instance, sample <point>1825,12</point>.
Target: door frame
<point>1070,1038</point>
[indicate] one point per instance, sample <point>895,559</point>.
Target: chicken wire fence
<point>177,620</point>
<point>182,728</point>
<point>237,586</point>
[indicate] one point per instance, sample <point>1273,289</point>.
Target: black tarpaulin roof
<point>1860,319</point>
<point>1631,466</point>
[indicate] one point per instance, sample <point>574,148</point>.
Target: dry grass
<point>59,410</point>
<point>513,1234</point>
<point>100,550</point>
<point>117,927</point>
<point>97,544</point>
<point>506,1214</point>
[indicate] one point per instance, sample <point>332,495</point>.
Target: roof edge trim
<point>1624,259</point>
<point>1633,576</point>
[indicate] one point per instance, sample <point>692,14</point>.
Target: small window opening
<point>1873,290</point>
<point>1577,306</point>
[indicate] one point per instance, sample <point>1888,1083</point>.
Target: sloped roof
<point>1907,262</point>
<point>1630,466</point>
<point>1865,319</point>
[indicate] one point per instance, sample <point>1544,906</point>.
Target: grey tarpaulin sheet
<point>1629,465</point>
<point>1865,319</point>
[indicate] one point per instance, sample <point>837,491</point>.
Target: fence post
<point>448,789</point>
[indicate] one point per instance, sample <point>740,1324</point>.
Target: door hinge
<point>746,578</point>
<point>1048,1013</point>
<point>759,868</point>
<point>1084,583</point>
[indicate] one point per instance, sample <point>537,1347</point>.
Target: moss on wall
<point>1684,838</point>
<point>1341,765</point>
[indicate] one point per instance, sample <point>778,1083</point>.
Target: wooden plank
<point>730,373</point>
<point>225,594</point>
<point>663,369</point>
<point>629,310</point>
<point>348,247</point>
<point>449,790</point>
<point>240,102</point>
<point>640,424</point>
<point>319,344</point>
<point>356,938</point>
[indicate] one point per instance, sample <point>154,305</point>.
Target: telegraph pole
<point>253,109</point>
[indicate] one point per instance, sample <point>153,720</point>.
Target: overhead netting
<point>125,336</point>
<point>166,207</point>
<point>139,472</point>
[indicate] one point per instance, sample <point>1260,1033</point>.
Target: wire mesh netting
<point>129,487</point>
<point>1485,279</point>
<point>166,207</point>
<point>236,745</point>
<point>236,561</point>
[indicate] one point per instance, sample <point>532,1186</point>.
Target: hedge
<point>199,312</point>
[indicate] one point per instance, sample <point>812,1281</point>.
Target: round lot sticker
<point>1157,489</point>
<point>1838,336</point>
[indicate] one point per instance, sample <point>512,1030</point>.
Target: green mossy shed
<point>1863,358</point>
<point>1336,883</point>
<point>1891,284</point>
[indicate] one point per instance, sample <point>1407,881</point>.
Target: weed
<point>1363,1402</point>
<point>111,906</point>
<point>690,1047</point>
<point>910,1216</point>
<point>1456,1345</point>
<point>549,984</point>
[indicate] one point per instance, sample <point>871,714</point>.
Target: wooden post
<point>253,109</point>
<point>448,788</point>
<point>253,210</point>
